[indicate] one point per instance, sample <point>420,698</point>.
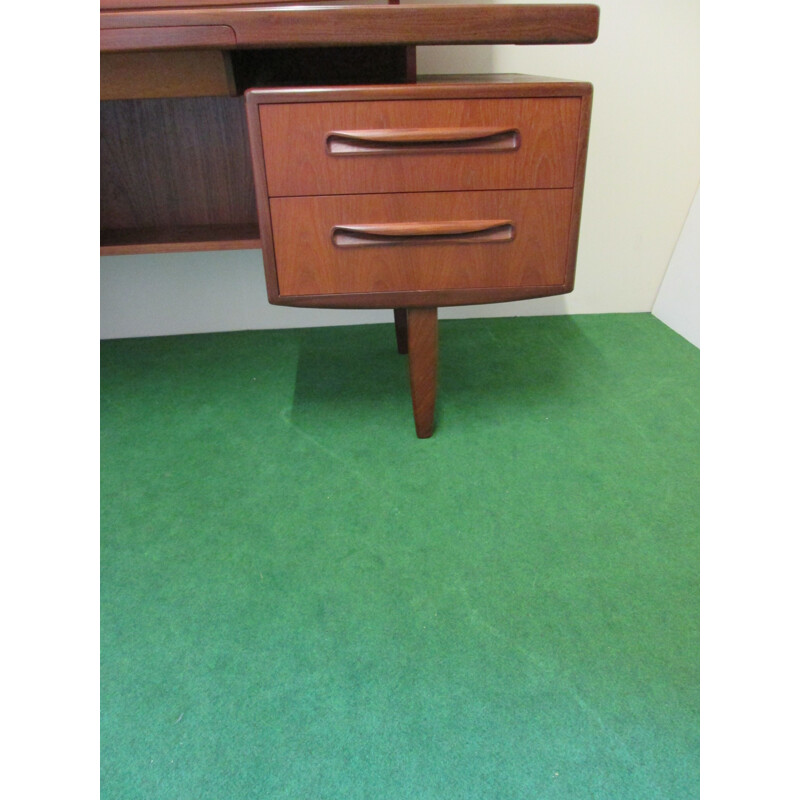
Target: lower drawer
<point>426,241</point>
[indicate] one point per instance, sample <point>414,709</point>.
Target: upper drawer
<point>420,145</point>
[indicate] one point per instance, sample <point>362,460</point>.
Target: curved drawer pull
<point>414,140</point>
<point>406,233</point>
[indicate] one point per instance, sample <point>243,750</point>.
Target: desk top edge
<point>340,25</point>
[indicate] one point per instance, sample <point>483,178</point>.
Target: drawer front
<point>420,145</point>
<point>421,241</point>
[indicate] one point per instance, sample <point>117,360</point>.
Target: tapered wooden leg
<point>423,357</point>
<point>401,330</point>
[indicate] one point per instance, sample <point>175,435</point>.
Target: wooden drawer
<point>419,145</point>
<point>421,242</point>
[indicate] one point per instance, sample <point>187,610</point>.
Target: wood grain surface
<point>178,239</point>
<point>410,282</point>
<point>166,37</point>
<point>309,263</point>
<point>350,24</point>
<point>173,168</point>
<point>165,73</point>
<point>492,86</point>
<point>423,359</point>
<point>299,162</point>
<point>401,330</point>
<point>175,162</point>
<point>132,5</point>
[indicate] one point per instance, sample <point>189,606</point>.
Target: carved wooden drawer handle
<point>414,140</point>
<point>405,233</point>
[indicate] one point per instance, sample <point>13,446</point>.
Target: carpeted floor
<point>300,599</point>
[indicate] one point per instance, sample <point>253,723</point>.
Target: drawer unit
<point>417,196</point>
<point>459,153</point>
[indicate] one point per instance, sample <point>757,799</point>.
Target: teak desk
<point>304,131</point>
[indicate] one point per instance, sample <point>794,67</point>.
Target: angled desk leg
<point>423,356</point>
<point>401,330</point>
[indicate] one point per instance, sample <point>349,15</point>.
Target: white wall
<point>642,172</point>
<point>678,301</point>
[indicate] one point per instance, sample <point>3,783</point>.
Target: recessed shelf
<point>178,239</point>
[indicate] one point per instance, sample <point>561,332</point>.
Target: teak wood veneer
<point>345,24</point>
<point>305,131</point>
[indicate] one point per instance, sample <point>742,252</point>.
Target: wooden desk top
<point>140,5</point>
<point>244,25</point>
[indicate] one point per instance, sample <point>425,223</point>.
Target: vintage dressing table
<point>304,131</point>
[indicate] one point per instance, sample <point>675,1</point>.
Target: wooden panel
<point>300,145</point>
<point>423,358</point>
<point>122,5</point>
<point>580,176</point>
<point>172,73</point>
<point>166,37</point>
<point>177,162</point>
<point>353,25</point>
<point>179,239</point>
<point>308,262</point>
<point>429,87</point>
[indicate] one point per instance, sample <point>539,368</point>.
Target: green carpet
<point>300,599</point>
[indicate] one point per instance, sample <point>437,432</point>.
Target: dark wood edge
<point>577,190</point>
<point>262,200</point>
<point>178,239</point>
<point>154,248</point>
<point>167,37</point>
<point>411,63</point>
<point>365,25</point>
<point>442,297</point>
<point>131,5</point>
<point>506,86</point>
